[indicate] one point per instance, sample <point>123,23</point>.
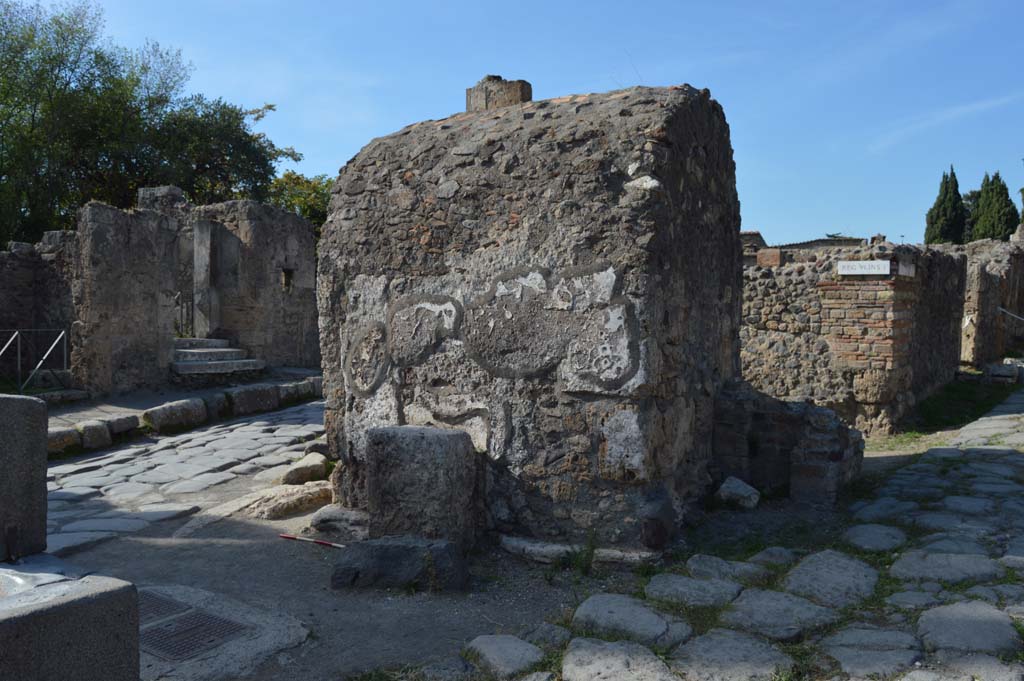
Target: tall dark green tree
<point>947,218</point>
<point>82,119</point>
<point>996,214</point>
<point>970,207</point>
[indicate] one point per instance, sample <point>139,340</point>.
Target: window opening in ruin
<point>286,279</point>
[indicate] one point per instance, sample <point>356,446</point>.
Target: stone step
<point>217,366</point>
<point>195,343</point>
<point>208,354</point>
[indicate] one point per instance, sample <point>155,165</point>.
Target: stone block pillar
<point>493,92</point>
<point>207,306</point>
<point>423,481</point>
<point>23,482</point>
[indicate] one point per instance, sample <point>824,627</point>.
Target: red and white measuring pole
<point>321,542</point>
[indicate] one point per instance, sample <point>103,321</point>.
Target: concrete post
<point>23,482</point>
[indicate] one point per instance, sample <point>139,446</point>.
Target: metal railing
<point>23,342</point>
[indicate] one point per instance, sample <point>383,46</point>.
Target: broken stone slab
<point>630,618</point>
<point>945,567</point>
<point>401,562</point>
<point>588,659</point>
<point>832,578</point>
<point>863,651</point>
<point>727,655</point>
<point>309,467</point>
<point>711,567</point>
<point>178,415</point>
<point>969,626</point>
<point>776,615</point>
<point>735,492</point>
<point>84,628</point>
<point>63,543</point>
<point>288,500</point>
<point>504,656</point>
<point>423,481</point>
<point>23,495</point>
<point>251,399</point>
<point>873,537</point>
<point>686,591</point>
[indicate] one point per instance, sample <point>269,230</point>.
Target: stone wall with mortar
<point>560,279</point>
<point>257,280</point>
<point>123,286</point>
<point>995,279</point>
<point>868,347</point>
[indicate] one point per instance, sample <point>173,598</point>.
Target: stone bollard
<point>23,436</point>
<point>423,481</point>
<point>493,92</point>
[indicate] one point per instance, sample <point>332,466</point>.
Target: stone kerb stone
<point>424,481</point>
<point>458,286</point>
<point>23,481</point>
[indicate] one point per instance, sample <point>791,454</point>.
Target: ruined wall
<point>995,279</point>
<point>124,282</point>
<point>868,347</point>
<point>258,281</point>
<point>561,279</point>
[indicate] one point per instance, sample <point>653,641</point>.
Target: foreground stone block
<point>726,655</point>
<point>252,399</point>
<point>401,562</point>
<point>969,626</point>
<point>539,276</point>
<point>23,477</point>
<point>587,659</point>
<point>423,481</point>
<point>84,630</point>
<point>62,439</point>
<point>505,656</point>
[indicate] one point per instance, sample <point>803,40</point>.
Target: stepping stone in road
<point>687,591</point>
<point>727,655</point>
<point>504,656</point>
<point>969,626</point>
<point>875,537</point>
<point>945,567</point>
<point>590,660</point>
<point>776,615</point>
<point>832,578</point>
<point>628,617</point>
<point>863,651</point>
<point>711,567</point>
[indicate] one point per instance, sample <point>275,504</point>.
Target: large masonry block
<point>561,280</point>
<point>23,479</point>
<point>423,481</point>
<point>81,630</point>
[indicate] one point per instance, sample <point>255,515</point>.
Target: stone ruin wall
<point>561,280</point>
<point>113,283</point>
<point>995,279</point>
<point>262,273</point>
<point>868,347</point>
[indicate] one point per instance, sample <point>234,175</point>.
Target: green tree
<point>947,218</point>
<point>970,208</point>
<point>307,196</point>
<point>83,119</point>
<point>997,215</point>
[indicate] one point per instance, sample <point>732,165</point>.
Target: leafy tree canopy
<point>307,196</point>
<point>83,119</point>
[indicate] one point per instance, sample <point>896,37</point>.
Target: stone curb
<point>182,415</point>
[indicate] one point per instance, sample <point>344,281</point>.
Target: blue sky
<point>843,114</point>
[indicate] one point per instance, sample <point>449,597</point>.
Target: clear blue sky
<point>843,114</point>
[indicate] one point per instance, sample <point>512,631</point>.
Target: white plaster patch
<point>446,312</point>
<point>625,450</point>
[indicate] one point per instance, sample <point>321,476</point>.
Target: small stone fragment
<point>738,493</point>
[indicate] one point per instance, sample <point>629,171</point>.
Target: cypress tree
<point>947,218</point>
<point>997,216</point>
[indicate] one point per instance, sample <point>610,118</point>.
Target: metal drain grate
<point>188,635</point>
<point>153,607</point>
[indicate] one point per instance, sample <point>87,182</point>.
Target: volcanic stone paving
<point>126,489</point>
<point>920,586</point>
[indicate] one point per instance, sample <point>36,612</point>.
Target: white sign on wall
<point>863,267</point>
